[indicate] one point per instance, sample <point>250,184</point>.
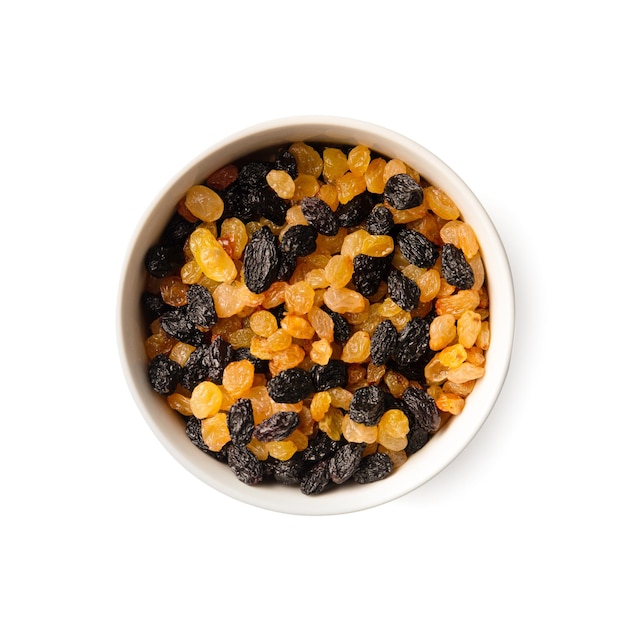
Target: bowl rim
<point>426,463</point>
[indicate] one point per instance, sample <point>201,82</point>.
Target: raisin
<point>200,306</point>
<point>345,462</point>
<point>333,374</point>
<point>454,267</point>
<point>164,374</point>
<point>245,465</point>
<point>319,215</point>
<point>423,408</point>
<point>240,421</point>
<point>161,261</point>
<point>238,202</point>
<point>403,192</point>
<point>207,362</point>
<point>416,248</point>
<point>271,205</point>
<point>193,430</point>
<point>260,260</point>
<point>287,162</point>
<point>260,365</point>
<point>277,426</point>
<point>153,306</point>
<point>290,385</point>
<point>252,175</point>
<point>177,324</point>
<point>383,343</point>
<point>288,472</point>
<point>380,221</point>
<point>367,405</point>
<point>299,240</point>
<point>417,437</point>
<point>316,479</point>
<point>373,467</point>
<point>341,325</point>
<point>320,447</point>
<point>177,230</point>
<point>368,272</point>
<point>413,341</point>
<point>402,290</point>
<point>355,211</point>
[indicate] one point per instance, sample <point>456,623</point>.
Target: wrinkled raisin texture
<point>455,268</point>
<point>350,298</point>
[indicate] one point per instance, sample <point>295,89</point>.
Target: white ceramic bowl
<point>444,446</point>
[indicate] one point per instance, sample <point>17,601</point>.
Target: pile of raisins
<point>315,314</point>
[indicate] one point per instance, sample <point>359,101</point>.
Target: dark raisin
<point>271,205</point>
<point>367,405</point>
<point>416,248</point>
<point>290,385</point>
<point>277,426</point>
<point>417,437</point>
<point>238,202</point>
<point>252,174</point>
<point>245,465</point>
<point>287,262</point>
<point>455,269</point>
<point>383,343</point>
<point>373,467</point>
<point>333,374</point>
<point>287,162</point>
<point>161,261</point>
<point>319,215</point>
<point>341,325</point>
<point>368,273</point>
<point>261,366</point>
<point>177,324</point>
<point>412,341</point>
<point>345,462</point>
<point>288,472</point>
<point>423,408</point>
<point>320,447</point>
<point>240,422</point>
<point>177,230</point>
<point>316,479</point>
<point>380,221</point>
<point>193,430</point>
<point>260,260</point>
<point>153,306</point>
<point>355,211</point>
<point>200,306</point>
<point>402,290</point>
<point>299,240</point>
<point>403,192</point>
<point>219,355</point>
<point>164,374</point>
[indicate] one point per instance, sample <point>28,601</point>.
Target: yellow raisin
<point>238,377</point>
<point>393,423</point>
<point>350,185</point>
<point>331,423</point>
<point>357,348</point>
<point>457,304</point>
<point>174,291</point>
<point>299,297</point>
<point>465,372</point>
<point>306,185</point>
<point>442,331</point>
<point>358,433</point>
<point>320,403</point>
<point>435,372</point>
<point>281,450</point>
<point>234,230</point>
<point>215,432</point>
<point>374,176</point>
<point>460,234</point>
<point>440,204</point>
<point>321,351</point>
<point>453,356</point>
<point>335,164</point>
<point>328,193</point>
<point>211,256</point>
<point>338,271</point>
<point>263,323</point>
<point>279,340</point>
<point>359,159</point>
<point>180,352</point>
<point>429,283</point>
<point>158,343</point>
<point>206,399</point>
<point>308,160</point>
<point>468,328</point>
<point>290,357</point>
<point>180,403</point>
<point>204,203</point>
<point>377,245</point>
<point>297,326</point>
<point>353,243</point>
<point>344,300</point>
<point>281,183</point>
<point>393,167</point>
<point>450,403</point>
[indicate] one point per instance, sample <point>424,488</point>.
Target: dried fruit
<point>334,374</point>
<point>403,291</point>
<point>244,464</point>
<point>423,408</point>
<point>454,267</point>
<point>290,385</point>
<point>345,462</point>
<point>319,215</point>
<point>383,343</point>
<point>403,192</point>
<point>164,374</point>
<point>260,260</point>
<point>240,422</point>
<point>373,467</point>
<point>277,427</point>
<point>416,248</point>
<point>368,405</point>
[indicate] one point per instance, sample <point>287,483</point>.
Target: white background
<point>103,103</point>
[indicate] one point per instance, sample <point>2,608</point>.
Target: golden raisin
<point>335,164</point>
<point>215,432</point>
<point>281,183</point>
<point>357,348</point>
<point>211,256</point>
<point>338,271</point>
<point>238,377</point>
<point>442,331</point>
<point>204,203</point>
<point>440,204</point>
<point>206,399</point>
<point>359,159</point>
<point>299,297</point>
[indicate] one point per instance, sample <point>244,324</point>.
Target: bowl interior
<point>445,444</point>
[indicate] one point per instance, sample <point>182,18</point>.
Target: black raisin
<point>245,465</point>
<point>345,462</point>
<point>403,192</point>
<point>240,422</point>
<point>423,408</point>
<point>373,467</point>
<point>341,325</point>
<point>290,385</point>
<point>380,221</point>
<point>355,211</point>
<point>177,230</point>
<point>207,362</point>
<point>316,479</point>
<point>260,260</point>
<point>287,162</point>
<point>367,405</point>
<point>320,447</point>
<point>383,343</point>
<point>261,366</point>
<point>200,306</point>
<point>289,472</point>
<point>455,269</point>
<point>417,437</point>
<point>368,273</point>
<point>164,374</point>
<point>153,306</point>
<point>412,341</point>
<point>271,205</point>
<point>319,215</point>
<point>299,240</point>
<point>238,202</point>
<point>177,324</point>
<point>253,174</point>
<point>416,248</point>
<point>402,290</point>
<point>161,261</point>
<point>287,262</point>
<point>333,374</point>
<point>277,426</point>
<point>193,429</point>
